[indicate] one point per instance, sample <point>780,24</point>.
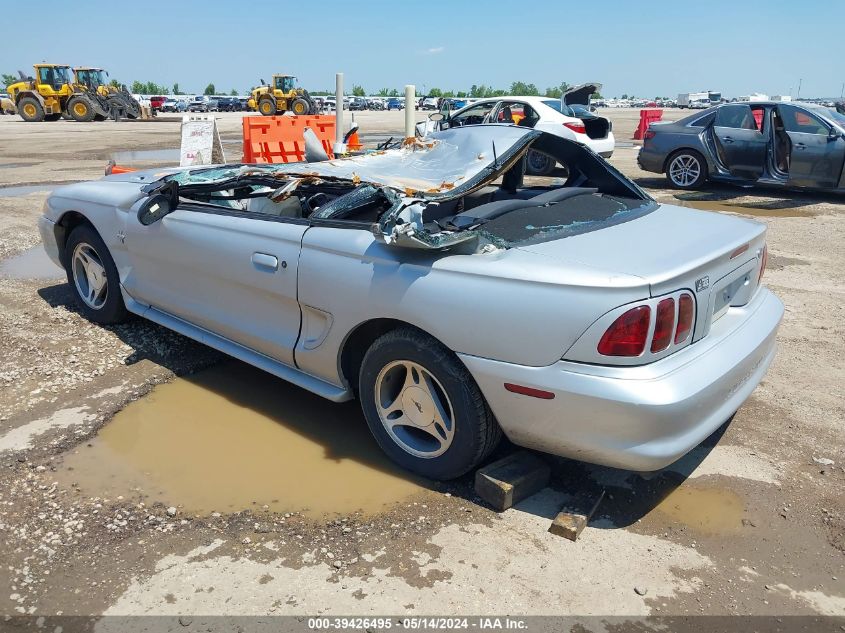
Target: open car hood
<point>581,94</point>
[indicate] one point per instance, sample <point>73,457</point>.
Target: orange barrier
<point>647,117</point>
<point>280,139</point>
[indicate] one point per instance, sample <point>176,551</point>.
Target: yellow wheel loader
<point>281,96</point>
<point>117,98</point>
<point>51,93</point>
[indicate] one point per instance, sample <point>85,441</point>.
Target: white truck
<point>698,100</point>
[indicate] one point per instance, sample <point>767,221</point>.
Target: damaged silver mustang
<point>453,299</point>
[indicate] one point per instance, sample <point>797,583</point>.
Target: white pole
<point>339,146</point>
<point>410,98</point>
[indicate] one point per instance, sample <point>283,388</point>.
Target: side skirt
<point>236,350</point>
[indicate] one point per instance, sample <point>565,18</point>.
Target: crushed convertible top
<point>449,162</point>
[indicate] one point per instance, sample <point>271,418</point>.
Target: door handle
<point>800,146</point>
<point>266,262</point>
<point>728,139</point>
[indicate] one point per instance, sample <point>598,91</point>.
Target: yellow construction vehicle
<point>279,97</point>
<point>118,98</point>
<point>51,93</point>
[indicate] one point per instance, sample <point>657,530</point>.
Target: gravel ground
<point>753,522</point>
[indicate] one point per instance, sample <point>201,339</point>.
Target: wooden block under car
<point>571,524</point>
<point>511,479</point>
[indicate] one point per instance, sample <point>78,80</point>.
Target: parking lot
<point>143,473</point>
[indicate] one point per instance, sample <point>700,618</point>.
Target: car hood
<point>581,94</point>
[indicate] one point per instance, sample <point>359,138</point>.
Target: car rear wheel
<point>423,407</point>
<point>538,163</point>
<point>93,277</point>
<point>686,169</point>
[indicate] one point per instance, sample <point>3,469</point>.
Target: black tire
<point>113,309</point>
<point>267,106</point>
<point>696,171</point>
<point>300,106</point>
<point>30,109</point>
<point>475,431</point>
<point>81,109</point>
<point>539,164</point>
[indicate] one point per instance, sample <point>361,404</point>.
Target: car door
<point>473,115</point>
<point>230,272</point>
<point>816,154</point>
<point>740,143</point>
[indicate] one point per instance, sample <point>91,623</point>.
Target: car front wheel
<point>93,277</point>
<point>686,169</point>
<point>423,407</point>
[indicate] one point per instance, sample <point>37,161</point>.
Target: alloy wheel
<point>684,170</point>
<point>414,409</point>
<point>89,276</point>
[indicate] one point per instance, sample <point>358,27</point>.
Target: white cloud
<point>435,50</point>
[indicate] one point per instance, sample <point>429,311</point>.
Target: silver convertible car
<point>453,300</point>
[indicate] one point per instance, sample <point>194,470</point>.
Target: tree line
<point>517,88</point>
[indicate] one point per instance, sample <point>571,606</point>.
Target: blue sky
<point>649,49</point>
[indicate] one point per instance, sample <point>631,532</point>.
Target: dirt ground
<point>752,522</point>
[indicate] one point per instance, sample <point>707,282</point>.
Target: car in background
<point>227,104</point>
<point>203,103</point>
<point>357,103</point>
<point>429,103</point>
<point>542,113</point>
<point>394,104</point>
<point>156,102</point>
<point>772,143</point>
<point>174,105</point>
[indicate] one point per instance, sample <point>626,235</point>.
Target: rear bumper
<point>603,147</point>
<point>650,160</point>
<point>638,418</point>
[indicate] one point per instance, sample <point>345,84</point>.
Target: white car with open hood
<point>453,300</point>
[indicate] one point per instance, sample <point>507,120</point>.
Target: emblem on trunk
<point>702,284</point>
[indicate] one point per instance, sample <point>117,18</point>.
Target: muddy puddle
<point>708,205</point>
<point>705,510</point>
<point>232,438</point>
<point>33,263</point>
<point>25,190</point>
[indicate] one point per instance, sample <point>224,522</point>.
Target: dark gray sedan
<point>768,143</point>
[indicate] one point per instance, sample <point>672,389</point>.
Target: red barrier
<point>280,139</point>
<point>647,117</point>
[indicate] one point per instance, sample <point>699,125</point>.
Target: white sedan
<point>541,113</point>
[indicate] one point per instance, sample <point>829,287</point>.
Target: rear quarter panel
<point>508,305</point>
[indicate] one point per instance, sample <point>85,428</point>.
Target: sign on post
<point>200,141</point>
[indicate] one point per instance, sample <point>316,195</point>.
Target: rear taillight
<point>627,335</point>
<point>664,325</point>
<point>648,135</point>
<point>686,312</point>
<point>765,260</point>
<point>578,127</point>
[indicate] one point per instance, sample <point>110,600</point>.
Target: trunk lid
<point>581,94</point>
<point>674,248</point>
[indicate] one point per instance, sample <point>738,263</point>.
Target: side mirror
<point>436,116</point>
<point>833,134</point>
<point>163,200</point>
<point>154,209</point>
